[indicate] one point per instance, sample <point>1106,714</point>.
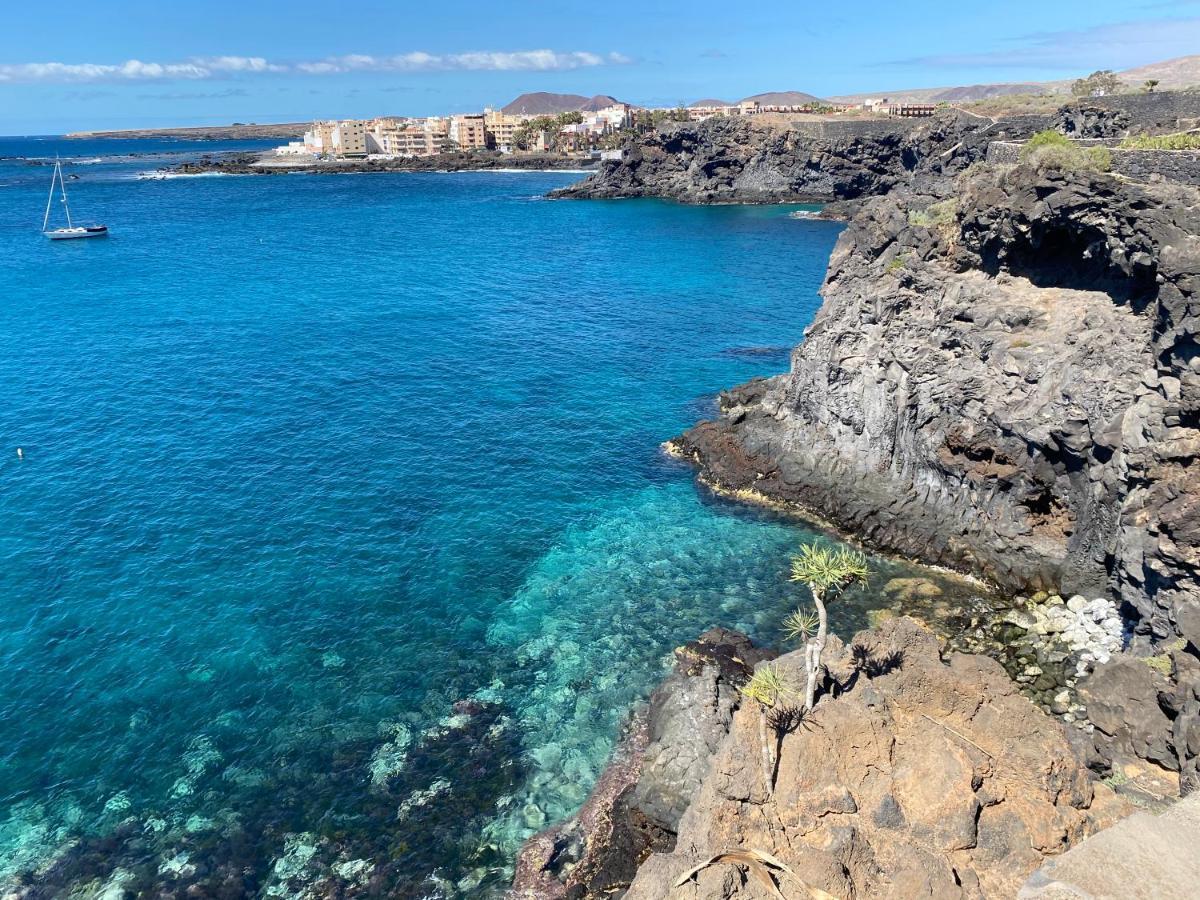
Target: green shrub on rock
<point>1051,151</point>
<point>1183,140</point>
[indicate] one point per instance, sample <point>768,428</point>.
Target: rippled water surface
<point>342,543</point>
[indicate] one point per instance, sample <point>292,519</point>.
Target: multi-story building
<point>349,138</point>
<point>611,118</point>
<point>469,132</point>
<point>319,138</point>
<point>410,137</point>
<point>500,127</point>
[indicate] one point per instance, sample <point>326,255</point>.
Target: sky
<point>87,65</point>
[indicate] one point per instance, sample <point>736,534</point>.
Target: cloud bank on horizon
<point>201,68</point>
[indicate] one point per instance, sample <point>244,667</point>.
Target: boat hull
<point>71,234</point>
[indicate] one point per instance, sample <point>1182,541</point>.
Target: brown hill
<point>1171,74</point>
<point>204,132</point>
<point>784,98</point>
<point>1181,72</point>
<point>541,103</point>
<point>708,101</point>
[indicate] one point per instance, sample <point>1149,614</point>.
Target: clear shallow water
<point>342,541</point>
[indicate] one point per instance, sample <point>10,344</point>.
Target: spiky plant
<point>800,625</point>
<point>767,687</point>
<point>827,572</point>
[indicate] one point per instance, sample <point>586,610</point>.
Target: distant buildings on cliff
<point>571,133</point>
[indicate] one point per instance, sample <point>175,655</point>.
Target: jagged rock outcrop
<point>1011,388</point>
<point>1007,383</point>
<point>765,160</point>
<point>657,769</point>
<point>919,776</point>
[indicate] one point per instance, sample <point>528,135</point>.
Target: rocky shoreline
<point>1004,379</point>
<point>240,163</point>
<point>924,774</point>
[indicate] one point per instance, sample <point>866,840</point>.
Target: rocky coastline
<point>925,774</point>
<point>241,163</point>
<point>1004,379</point>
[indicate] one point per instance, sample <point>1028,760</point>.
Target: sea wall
<point>853,129</point>
<point>1173,165</point>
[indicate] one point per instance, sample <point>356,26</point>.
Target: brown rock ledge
<point>918,776</point>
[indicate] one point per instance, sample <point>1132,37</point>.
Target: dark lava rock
<point>1007,383</point>
<point>765,160</point>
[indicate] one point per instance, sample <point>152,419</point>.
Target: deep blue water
<point>309,461</point>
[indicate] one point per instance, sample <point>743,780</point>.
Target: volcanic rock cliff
<point>1006,383</point>
<point>1004,378</point>
<point>765,159</point>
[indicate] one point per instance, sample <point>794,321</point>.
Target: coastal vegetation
<point>940,217</point>
<point>1051,150</point>
<point>768,689</point>
<point>826,572</point>
<point>1098,84</point>
<point>1182,140</point>
<point>551,126</point>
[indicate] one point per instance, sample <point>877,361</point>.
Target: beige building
<point>319,138</point>
<point>468,132</point>
<point>500,127</point>
<point>350,138</point>
<point>410,137</point>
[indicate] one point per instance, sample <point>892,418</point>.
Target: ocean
<point>341,544</point>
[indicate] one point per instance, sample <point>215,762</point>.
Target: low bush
<point>1183,140</point>
<point>937,215</point>
<point>1050,150</point>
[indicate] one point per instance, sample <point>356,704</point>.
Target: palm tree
<point>1150,84</point>
<point>826,572</point>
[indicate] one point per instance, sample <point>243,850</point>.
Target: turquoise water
<point>342,542</point>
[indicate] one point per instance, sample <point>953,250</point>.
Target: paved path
<point>1155,857</point>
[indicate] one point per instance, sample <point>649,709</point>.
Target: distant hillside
<point>205,133</point>
<point>960,94</point>
<point>541,103</point>
<point>1171,74</point>
<point>1182,72</point>
<point>784,98</point>
<point>710,102</point>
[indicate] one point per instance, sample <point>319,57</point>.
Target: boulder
<point>922,776</point>
<point>658,767</point>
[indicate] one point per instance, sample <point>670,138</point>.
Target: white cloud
<point>224,66</point>
<point>479,61</point>
<point>131,70</point>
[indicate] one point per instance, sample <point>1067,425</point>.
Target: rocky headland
<point>240,163</point>
<point>770,159</point>
<point>1004,379</point>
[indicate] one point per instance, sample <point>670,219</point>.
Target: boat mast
<point>50,199</point>
<point>63,184</point>
<point>57,176</point>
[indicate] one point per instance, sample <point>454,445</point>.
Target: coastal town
<point>592,128</point>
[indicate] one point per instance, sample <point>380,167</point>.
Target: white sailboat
<point>72,230</point>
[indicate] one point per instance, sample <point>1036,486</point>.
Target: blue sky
<point>141,63</point>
